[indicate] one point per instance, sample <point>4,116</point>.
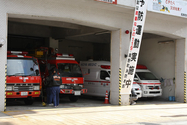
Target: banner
<point>136,38</point>
<point>170,7</point>
<point>108,1</point>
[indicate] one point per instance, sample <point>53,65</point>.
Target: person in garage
<point>48,86</point>
<point>55,82</point>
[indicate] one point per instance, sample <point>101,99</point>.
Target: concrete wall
<point>179,69</point>
<point>3,55</point>
<point>160,59</point>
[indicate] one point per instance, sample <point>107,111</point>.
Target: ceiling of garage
<point>61,30</point>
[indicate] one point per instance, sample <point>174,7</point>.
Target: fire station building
<point>101,29</point>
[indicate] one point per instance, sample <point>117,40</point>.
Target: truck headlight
<point>9,88</point>
<point>81,86</point>
<point>61,86</point>
<point>36,87</point>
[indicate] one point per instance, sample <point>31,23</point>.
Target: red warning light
<point>127,31</point>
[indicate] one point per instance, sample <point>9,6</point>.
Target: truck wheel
<point>29,101</point>
<point>73,98</point>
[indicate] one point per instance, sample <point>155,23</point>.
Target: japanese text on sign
<point>136,37</point>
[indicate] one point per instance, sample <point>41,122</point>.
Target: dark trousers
<point>55,90</point>
<point>49,97</point>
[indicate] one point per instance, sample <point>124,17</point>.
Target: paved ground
<point>94,112</point>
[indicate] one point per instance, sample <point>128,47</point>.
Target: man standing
<point>56,81</point>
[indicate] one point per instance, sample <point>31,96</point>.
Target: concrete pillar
<point>180,69</point>
<point>3,55</point>
<point>119,47</point>
<point>53,43</point>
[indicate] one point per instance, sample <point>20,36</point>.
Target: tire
<point>73,98</point>
<point>29,101</point>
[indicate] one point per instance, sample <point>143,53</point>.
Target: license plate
<point>77,93</point>
<point>24,93</point>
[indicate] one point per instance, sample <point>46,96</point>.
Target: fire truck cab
<point>70,71</point>
<point>97,80</point>
<point>23,80</point>
<point>151,86</point>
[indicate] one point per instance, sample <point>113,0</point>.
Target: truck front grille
<point>154,92</point>
<point>22,86</point>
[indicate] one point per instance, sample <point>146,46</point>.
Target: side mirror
<point>107,78</point>
<point>35,61</point>
<point>135,79</point>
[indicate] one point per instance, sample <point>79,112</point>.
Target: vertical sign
<point>108,1</point>
<point>136,37</point>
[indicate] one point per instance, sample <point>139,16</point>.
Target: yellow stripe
<point>184,87</point>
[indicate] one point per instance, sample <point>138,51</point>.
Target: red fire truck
<point>23,80</point>
<point>69,69</point>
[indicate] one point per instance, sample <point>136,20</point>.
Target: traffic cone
<point>106,98</point>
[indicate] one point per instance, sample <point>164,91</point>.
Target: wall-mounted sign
<point>170,7</point>
<point>136,38</point>
<point>108,1</point>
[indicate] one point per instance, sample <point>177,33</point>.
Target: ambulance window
<point>146,76</point>
<point>103,75</point>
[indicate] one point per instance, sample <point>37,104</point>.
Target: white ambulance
<point>97,78</point>
<point>150,85</point>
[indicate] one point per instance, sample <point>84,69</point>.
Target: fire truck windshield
<point>22,67</point>
<point>69,70</point>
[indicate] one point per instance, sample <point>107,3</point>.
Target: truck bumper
<point>151,93</point>
<point>71,91</point>
<point>22,94</point>
<point>139,93</point>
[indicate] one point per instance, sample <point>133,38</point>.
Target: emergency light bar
<point>63,55</point>
<point>105,66</point>
<point>141,67</point>
<point>17,53</point>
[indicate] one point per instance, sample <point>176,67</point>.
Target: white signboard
<point>136,37</point>
<point>108,1</point>
<point>170,7</point>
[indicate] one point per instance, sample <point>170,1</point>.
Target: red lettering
<point>175,8</point>
<point>134,29</point>
<point>133,33</point>
<point>131,47</point>
<point>132,39</point>
<point>170,2</point>
<point>136,13</point>
<point>135,23</point>
<point>136,18</point>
